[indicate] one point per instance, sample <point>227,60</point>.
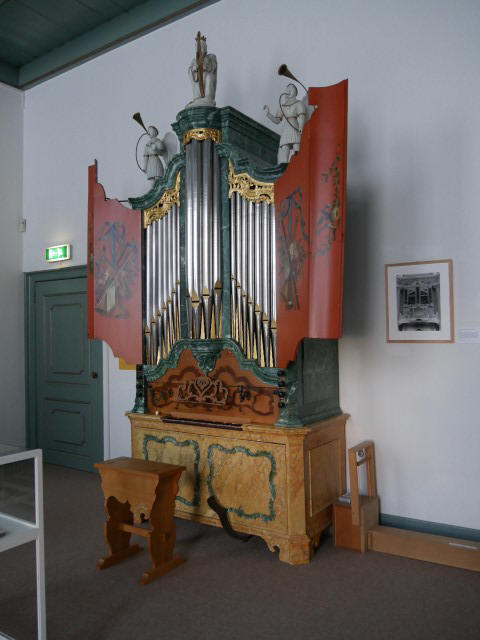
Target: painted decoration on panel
<point>114,273</point>
<point>310,219</point>
<point>292,248</point>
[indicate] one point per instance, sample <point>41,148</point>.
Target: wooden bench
<point>137,491</point>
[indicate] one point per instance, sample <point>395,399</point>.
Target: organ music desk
<point>223,284</point>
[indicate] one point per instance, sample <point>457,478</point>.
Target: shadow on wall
<point>358,298</point>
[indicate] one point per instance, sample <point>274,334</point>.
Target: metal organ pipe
<point>148,291</point>
<point>189,256</point>
<point>177,268</point>
<point>165,292</point>
<point>244,269</point>
<point>252,236</point>
<point>217,254</point>
<point>239,268</point>
<point>273,306</point>
<point>170,250</point>
<point>196,239</point>
<point>259,266</point>
<point>203,240</point>
<point>252,262</point>
<point>250,277</point>
<point>233,264</point>
<point>172,222</point>
<point>162,271</point>
<point>267,282</point>
<point>207,238</point>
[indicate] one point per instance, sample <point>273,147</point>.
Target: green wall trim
<point>180,443</point>
<point>266,517</point>
<point>124,28</point>
<point>425,526</point>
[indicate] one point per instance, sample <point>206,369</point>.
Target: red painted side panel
<point>114,273</point>
<point>310,219</point>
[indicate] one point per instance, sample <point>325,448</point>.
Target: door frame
<point>31,279</point>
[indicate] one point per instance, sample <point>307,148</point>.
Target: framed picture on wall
<point>419,301</point>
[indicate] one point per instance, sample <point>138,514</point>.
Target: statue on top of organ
<point>234,266</point>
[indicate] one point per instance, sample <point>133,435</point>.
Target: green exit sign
<point>60,252</point>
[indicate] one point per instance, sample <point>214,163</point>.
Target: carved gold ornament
<point>203,390</point>
<point>249,188</point>
<point>202,134</point>
<point>160,209</point>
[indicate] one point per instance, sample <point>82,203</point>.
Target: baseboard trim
<point>425,526</point>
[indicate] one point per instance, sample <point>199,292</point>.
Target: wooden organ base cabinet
<point>275,483</point>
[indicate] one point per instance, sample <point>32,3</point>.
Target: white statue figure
<point>152,164</point>
<point>203,75</point>
<point>293,113</point>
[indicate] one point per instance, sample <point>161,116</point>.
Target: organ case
<point>239,264</point>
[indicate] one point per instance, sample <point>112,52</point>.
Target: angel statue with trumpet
<point>155,149</point>
<point>293,112</point>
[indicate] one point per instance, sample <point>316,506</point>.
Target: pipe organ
<point>223,284</point>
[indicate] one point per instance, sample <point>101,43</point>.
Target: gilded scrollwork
<point>160,209</point>
<point>250,188</point>
<point>202,134</point>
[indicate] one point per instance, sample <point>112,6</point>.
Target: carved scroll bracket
<point>160,209</point>
<point>249,188</point>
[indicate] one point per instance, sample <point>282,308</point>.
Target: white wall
<point>12,382</point>
<point>414,136</point>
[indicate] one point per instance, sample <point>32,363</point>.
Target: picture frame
<point>419,301</point>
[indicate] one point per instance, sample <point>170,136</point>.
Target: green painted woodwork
<point>64,400</point>
<point>312,384</point>
<point>139,406</point>
<point>266,517</point>
<point>176,164</point>
<point>196,463</point>
<point>425,526</point>
<point>207,360</point>
<point>200,348</point>
<point>52,37</point>
<point>311,381</point>
<point>196,118</point>
<point>258,144</point>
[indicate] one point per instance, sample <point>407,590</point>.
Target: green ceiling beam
<point>130,25</point>
<point>9,74</point>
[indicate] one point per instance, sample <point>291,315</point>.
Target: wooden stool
<point>135,491</point>
<point>352,521</point>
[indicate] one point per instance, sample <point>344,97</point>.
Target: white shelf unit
<point>18,531</point>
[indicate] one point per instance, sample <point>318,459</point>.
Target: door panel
<point>67,373</point>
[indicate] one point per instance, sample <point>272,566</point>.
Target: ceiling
<point>41,38</point>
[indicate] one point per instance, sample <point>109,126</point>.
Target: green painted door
<point>65,370</point>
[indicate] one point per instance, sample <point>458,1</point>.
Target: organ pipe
<point>251,257</point>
